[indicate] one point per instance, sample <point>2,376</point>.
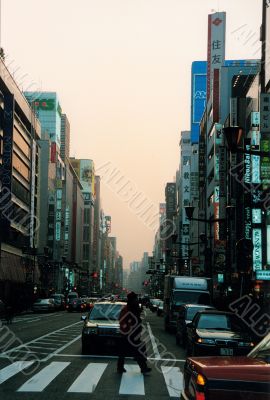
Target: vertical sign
<point>257,249</point>
<point>265,112</point>
<point>215,46</point>
<point>33,185</point>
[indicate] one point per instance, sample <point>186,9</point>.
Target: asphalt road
<point>41,359</point>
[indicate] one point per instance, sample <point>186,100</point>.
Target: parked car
<point>59,301</point>
<point>160,308</point>
<point>101,330</point>
<point>44,305</point>
<point>2,309</point>
<point>153,304</point>
<point>75,304</point>
<point>229,378</point>
<point>218,333</point>
<point>185,316</point>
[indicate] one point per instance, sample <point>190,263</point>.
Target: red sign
<point>53,152</point>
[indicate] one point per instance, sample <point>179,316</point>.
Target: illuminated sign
<point>255,119</point>
<point>263,275</point>
<point>268,244</point>
<point>256,216</point>
<point>265,162</point>
<point>257,248</point>
<point>256,173</point>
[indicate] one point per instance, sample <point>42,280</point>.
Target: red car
<point>229,378</point>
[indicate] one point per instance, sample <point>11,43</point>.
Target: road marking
<point>24,345</point>
<point>88,379</point>
<point>62,348</point>
<point>13,369</point>
<point>39,381</point>
<point>42,347</point>
<point>154,345</point>
<point>28,321</point>
<point>174,380</point>
<point>132,381</point>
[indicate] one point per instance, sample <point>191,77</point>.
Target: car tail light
<point>200,396</point>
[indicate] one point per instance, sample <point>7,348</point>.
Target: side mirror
<point>83,317</point>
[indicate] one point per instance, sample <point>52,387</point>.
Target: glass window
<point>106,312</point>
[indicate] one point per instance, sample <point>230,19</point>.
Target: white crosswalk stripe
<point>132,381</point>
<point>43,378</point>
<point>13,369</point>
<point>88,379</point>
<point>174,380</point>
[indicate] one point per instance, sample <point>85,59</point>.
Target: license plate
<point>226,352</point>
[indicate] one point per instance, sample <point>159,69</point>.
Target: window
<point>22,168</point>
<point>21,143</point>
<point>86,251</point>
<point>86,216</point>
<point>86,233</point>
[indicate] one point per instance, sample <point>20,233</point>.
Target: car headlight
<point>206,341</point>
<point>90,331</point>
<point>245,344</point>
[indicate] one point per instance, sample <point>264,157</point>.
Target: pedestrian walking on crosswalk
<point>131,327</point>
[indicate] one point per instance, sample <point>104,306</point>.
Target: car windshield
<point>262,350</point>
<point>220,322</point>
<point>191,312</point>
<point>106,312</point>
<point>187,297</point>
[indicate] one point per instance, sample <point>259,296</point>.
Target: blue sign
<point>198,97</point>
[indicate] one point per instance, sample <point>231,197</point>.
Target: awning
<point>11,268</point>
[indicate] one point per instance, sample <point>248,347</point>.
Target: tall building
<point>86,172</point>
<point>19,197</point>
<point>65,137</point>
<point>170,226</point>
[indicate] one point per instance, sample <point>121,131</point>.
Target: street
<point>53,367</point>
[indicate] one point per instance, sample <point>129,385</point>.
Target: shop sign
<point>257,249</point>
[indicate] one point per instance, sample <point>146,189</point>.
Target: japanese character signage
<point>265,112</point>
<point>216,46</point>
<point>257,249</point>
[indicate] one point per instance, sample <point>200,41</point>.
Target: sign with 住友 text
<point>216,46</point>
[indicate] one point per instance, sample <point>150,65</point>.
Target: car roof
<point>217,312</point>
<point>198,305</point>
<point>112,302</point>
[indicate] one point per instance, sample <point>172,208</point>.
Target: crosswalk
<point>91,379</point>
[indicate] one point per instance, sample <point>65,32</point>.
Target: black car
<point>185,316</point>
<point>75,304</point>
<point>153,304</point>
<point>218,333</point>
<point>101,330</point>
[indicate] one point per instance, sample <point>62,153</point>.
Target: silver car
<point>44,305</point>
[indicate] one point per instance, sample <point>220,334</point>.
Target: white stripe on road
<point>47,336</point>
<point>13,369</point>
<point>42,347</point>
<point>63,347</point>
<point>174,380</point>
<point>132,382</point>
<point>88,379</point>
<point>43,378</point>
<point>154,345</point>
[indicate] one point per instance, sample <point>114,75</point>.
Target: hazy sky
<point>122,71</point>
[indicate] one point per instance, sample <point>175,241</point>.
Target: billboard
<point>198,97</point>
<point>87,176</point>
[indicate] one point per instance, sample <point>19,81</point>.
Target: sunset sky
<point>122,71</point>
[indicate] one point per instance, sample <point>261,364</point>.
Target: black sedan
<point>75,305</point>
<point>186,314</point>
<point>101,330</point>
<point>218,333</point>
